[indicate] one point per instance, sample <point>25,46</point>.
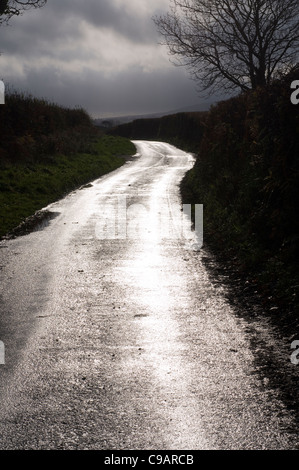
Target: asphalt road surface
<point>117,337</point>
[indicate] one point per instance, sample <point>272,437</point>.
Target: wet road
<point>116,338</point>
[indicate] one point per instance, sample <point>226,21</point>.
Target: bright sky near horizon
<point>103,55</point>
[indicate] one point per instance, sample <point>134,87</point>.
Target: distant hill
<point>118,120</point>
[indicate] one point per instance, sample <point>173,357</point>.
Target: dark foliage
<point>32,129</point>
<point>183,129</point>
<point>247,177</point>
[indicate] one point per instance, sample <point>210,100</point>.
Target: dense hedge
<point>247,177</point>
<point>46,151</point>
<point>183,129</point>
<point>33,128</point>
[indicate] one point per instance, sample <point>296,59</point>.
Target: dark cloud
<point>129,92</point>
<point>60,19</point>
<point>99,54</point>
<point>33,38</point>
<point>129,23</point>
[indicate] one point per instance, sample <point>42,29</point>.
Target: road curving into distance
<point>115,335</point>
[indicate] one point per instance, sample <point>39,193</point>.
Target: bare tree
<point>10,8</point>
<point>232,44</point>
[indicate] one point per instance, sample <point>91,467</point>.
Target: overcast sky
<point>102,55</point>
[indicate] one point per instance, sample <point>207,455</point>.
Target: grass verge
<point>26,187</point>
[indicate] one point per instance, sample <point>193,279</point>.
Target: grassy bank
<point>46,151</point>
<point>28,187</point>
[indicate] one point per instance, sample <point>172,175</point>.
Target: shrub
<point>247,177</point>
<point>32,128</point>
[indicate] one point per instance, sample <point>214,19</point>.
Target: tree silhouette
<point>10,8</point>
<point>232,44</point>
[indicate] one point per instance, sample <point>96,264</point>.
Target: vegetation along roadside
<point>47,151</point>
<point>246,175</point>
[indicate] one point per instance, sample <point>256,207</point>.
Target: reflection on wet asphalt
<point>116,337</point>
